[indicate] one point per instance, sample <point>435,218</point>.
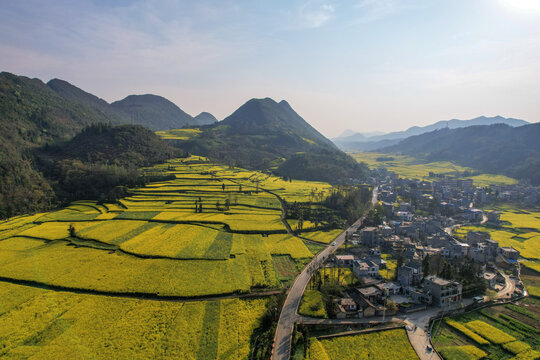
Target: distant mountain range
<point>497,149</point>
<point>365,142</point>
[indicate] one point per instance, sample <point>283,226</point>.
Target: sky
<point>365,65</point>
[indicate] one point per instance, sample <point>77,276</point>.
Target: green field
<point>381,345</point>
<point>500,332</point>
<point>413,168</point>
<point>42,324</point>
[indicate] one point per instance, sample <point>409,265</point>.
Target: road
<point>509,287</point>
<point>288,316</point>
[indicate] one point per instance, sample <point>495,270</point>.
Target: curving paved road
<point>288,316</point>
<point>509,287</point>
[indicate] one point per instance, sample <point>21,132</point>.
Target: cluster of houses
<point>411,290</point>
<point>420,227</point>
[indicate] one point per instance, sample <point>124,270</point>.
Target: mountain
<point>347,132</point>
<point>204,118</point>
<point>361,142</point>
<point>152,111</point>
<point>498,149</point>
<point>35,115</point>
<point>99,107</point>
<point>265,134</point>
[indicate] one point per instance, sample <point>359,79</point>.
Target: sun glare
<point>524,5</point>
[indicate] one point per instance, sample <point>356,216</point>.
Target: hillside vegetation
<point>264,134</point>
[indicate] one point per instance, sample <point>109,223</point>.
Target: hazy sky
<point>361,64</point>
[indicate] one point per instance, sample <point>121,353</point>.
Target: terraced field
<point>211,230</point>
<point>500,332</point>
<point>207,231</point>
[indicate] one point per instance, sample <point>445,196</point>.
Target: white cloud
<point>313,14</point>
<point>373,10</point>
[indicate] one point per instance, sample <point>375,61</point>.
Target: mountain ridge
<point>361,142</point>
<point>497,148</point>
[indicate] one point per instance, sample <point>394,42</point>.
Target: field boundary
<point>359,332</point>
<point>139,295</point>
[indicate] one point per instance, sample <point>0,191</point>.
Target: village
<point>405,258</point>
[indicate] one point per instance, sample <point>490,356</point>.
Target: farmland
<point>42,324</point>
<point>413,168</point>
<point>312,304</point>
<point>383,345</point>
<point>209,230</point>
<point>500,332</point>
<point>520,229</point>
<point>202,231</point>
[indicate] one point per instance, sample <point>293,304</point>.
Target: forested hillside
<point>34,116</point>
<point>264,134</point>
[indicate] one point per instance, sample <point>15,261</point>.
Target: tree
<point>72,230</point>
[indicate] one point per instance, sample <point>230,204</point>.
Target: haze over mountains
<point>497,149</point>
<point>367,142</point>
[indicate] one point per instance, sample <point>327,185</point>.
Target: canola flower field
<point>43,324</point>
<point>381,345</point>
<point>76,281</point>
<point>223,247</point>
<point>520,229</point>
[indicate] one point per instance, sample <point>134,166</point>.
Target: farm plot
<point>382,345</point>
<point>520,230</point>
<point>500,332</point>
<point>312,305</point>
<point>325,237</point>
<point>42,324</point>
<point>59,264</point>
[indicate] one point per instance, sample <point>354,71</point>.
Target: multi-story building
<point>445,293</point>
